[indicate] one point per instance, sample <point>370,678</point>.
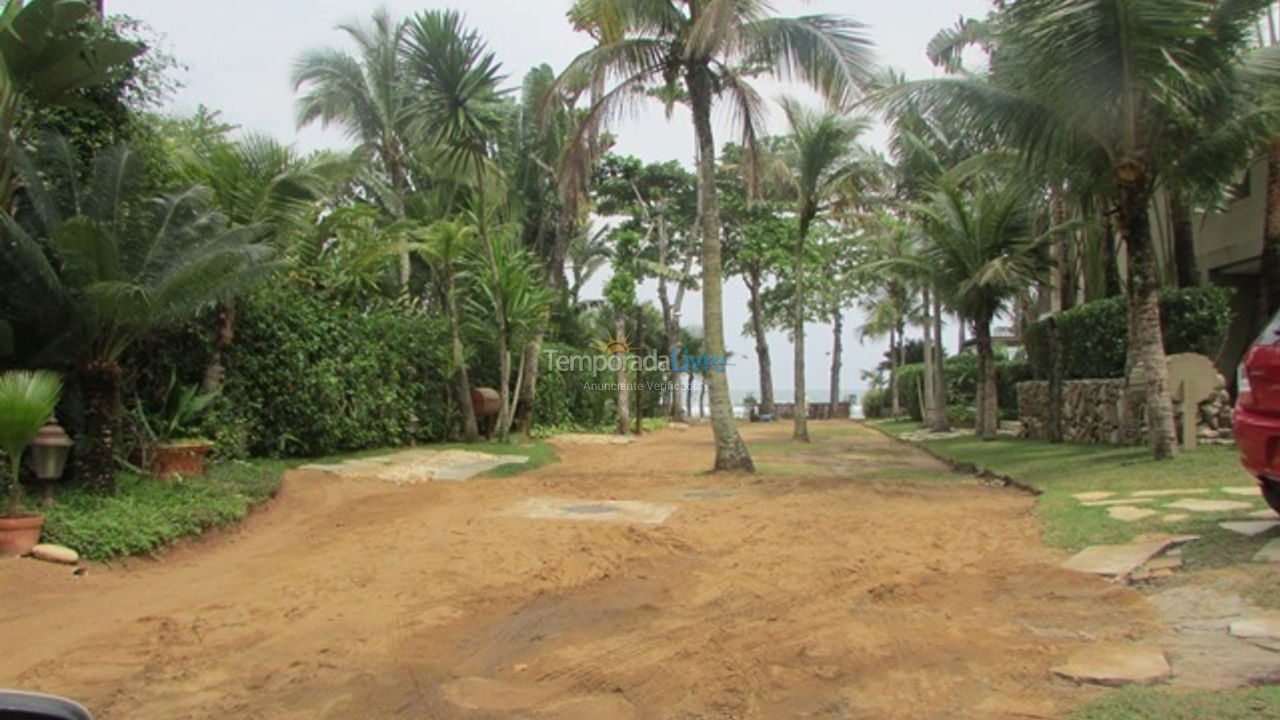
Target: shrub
<point>961,374</point>
<point>1095,335</point>
<point>875,403</point>
<point>306,377</point>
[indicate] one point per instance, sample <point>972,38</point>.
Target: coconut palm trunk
<point>623,397</point>
<point>930,378</point>
<point>939,421</point>
<point>837,351</point>
<point>470,428</point>
<point>754,283</point>
<point>1184,241</point>
<point>987,410</point>
<point>895,398</point>
<point>731,451</point>
<point>1146,340</point>
<point>801,432</point>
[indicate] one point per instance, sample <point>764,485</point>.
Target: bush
<point>875,403</point>
<point>961,374</point>
<point>146,515</point>
<point>308,378</point>
<point>1095,335</point>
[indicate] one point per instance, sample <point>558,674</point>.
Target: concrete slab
<point>1170,492</point>
<point>1115,665</point>
<point>1119,561</point>
<point>1270,553</point>
<point>1250,527</point>
<point>1092,496</point>
<point>621,511</point>
<point>1243,490</point>
<point>1198,505</point>
<point>1126,513</point>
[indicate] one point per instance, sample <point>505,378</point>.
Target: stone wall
<point>1091,412</point>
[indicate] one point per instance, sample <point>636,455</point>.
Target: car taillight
<point>1243,390</point>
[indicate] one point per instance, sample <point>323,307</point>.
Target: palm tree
<point>127,264</point>
<point>369,96</point>
<point>589,251</point>
<point>27,399</point>
<point>981,245</point>
<point>444,244</point>
<point>823,157</point>
<point>713,48</point>
<point>1103,87</point>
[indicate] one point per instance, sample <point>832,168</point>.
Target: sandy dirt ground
<point>854,579</point>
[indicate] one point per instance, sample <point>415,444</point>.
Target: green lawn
<point>1061,470</point>
<point>1154,704</point>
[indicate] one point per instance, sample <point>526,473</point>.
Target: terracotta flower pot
<point>19,534</point>
<point>185,459</point>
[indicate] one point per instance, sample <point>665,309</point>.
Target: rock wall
<point>1091,412</point>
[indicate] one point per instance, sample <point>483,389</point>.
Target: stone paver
<point>1266,627</point>
<point>1119,561</point>
<point>624,511</point>
<point>1243,490</point>
<point>1197,505</point>
<point>1117,501</point>
<point>1126,513</point>
<point>1269,552</point>
<point>1092,496</point>
<point>1267,514</point>
<point>1250,527</point>
<point>1173,491</point>
<point>1115,665</point>
<point>1174,518</point>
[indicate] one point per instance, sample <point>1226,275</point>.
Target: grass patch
<point>1062,470</point>
<point>146,515</point>
<point>1152,704</point>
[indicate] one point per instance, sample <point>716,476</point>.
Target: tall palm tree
<point>368,95</point>
<point>1105,86</point>
<point>823,156</point>
<point>981,243</point>
<point>126,264</point>
<point>713,48</point>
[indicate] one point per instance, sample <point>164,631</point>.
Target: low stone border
<point>989,476</point>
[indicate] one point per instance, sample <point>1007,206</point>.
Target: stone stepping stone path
<point>1198,505</point>
<point>1267,514</point>
<point>1243,491</point>
<point>1174,518</point>
<point>1128,513</point>
<point>618,511</point>
<point>1250,527</point>
<point>1270,553</point>
<point>1115,665</point>
<point>1121,501</point>
<point>1169,493</point>
<point>1088,497</point>
<point>1263,631</point>
<point>1120,561</point>
<point>410,467</point>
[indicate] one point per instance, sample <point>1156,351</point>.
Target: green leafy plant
<point>26,401</point>
<point>178,418</point>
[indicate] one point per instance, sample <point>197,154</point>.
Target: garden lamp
<point>49,451</point>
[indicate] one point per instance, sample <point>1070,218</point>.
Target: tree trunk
<point>895,398</point>
<point>215,373</point>
<point>801,431</point>
<point>1146,338</point>
<point>620,376</point>
<point>767,404</point>
<point>731,451</point>
<point>837,359</point>
<point>1269,275</point>
<point>988,419</point>
<point>1066,277</point>
<point>930,399</point>
<point>639,378</point>
<point>1110,257</point>
<point>702,398</point>
<point>100,383</point>
<point>1184,241</point>
<point>939,422</point>
<point>1054,429</point>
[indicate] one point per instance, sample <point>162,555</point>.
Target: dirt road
<point>855,579</point>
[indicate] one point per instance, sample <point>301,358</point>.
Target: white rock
<point>1125,513</point>
<point>1250,527</point>
<point>1197,505</point>
<point>55,553</point>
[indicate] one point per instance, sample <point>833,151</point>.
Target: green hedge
<point>961,374</point>
<point>1095,335</point>
<point>307,378</point>
<point>875,403</point>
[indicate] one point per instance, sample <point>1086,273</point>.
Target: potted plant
<point>27,399</point>
<point>170,449</point>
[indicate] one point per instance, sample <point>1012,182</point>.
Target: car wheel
<point>1271,491</point>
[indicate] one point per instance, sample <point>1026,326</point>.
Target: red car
<point>1257,421</point>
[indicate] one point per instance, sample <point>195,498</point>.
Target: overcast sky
<point>239,54</point>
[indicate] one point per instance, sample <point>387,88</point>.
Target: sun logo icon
<point>611,345</point>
